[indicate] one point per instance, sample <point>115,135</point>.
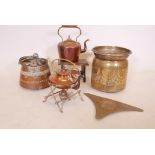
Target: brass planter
<point>109,68</point>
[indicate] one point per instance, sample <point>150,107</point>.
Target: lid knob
<point>35,55</point>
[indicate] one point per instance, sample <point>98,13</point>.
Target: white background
<point>85,12</point>
<point>21,108</point>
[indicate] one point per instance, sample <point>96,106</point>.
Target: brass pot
<point>109,68</point>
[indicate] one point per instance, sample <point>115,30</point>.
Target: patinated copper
<point>65,78</point>
<point>109,68</point>
<point>70,49</point>
<point>105,106</point>
<point>34,72</point>
<point>61,80</point>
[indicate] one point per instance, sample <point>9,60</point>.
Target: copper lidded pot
<point>34,72</point>
<point>109,68</point>
<point>70,49</point>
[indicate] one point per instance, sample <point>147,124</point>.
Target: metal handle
<point>34,57</point>
<point>61,59</point>
<point>69,26</point>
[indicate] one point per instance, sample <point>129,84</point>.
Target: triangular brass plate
<point>105,106</point>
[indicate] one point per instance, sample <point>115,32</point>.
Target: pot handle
<point>69,26</point>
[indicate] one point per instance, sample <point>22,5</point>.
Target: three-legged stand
<point>63,96</point>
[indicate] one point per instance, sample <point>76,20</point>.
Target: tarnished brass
<point>109,68</point>
<point>105,106</point>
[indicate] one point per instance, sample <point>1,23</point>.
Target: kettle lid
<point>69,43</point>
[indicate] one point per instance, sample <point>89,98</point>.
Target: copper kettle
<point>64,78</point>
<point>70,49</point>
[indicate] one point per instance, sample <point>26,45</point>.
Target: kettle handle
<point>69,26</point>
<point>67,61</point>
<point>61,59</point>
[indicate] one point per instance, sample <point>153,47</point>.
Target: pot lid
<point>32,61</point>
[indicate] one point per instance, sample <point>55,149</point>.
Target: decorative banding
<point>35,73</point>
<point>41,81</point>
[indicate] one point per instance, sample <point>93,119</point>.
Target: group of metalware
<point>109,72</point>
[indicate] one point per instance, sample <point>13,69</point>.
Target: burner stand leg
<point>79,93</point>
<point>46,97</point>
<point>56,102</point>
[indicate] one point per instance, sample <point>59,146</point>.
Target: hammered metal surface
<point>109,68</point>
<point>105,106</point>
<point>109,76</point>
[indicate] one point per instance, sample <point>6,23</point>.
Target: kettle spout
<point>85,47</point>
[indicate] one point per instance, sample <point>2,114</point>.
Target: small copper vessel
<point>61,80</point>
<point>34,72</point>
<point>70,49</point>
<point>109,68</point>
<point>65,78</point>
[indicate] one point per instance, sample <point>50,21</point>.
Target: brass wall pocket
<point>105,106</point>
